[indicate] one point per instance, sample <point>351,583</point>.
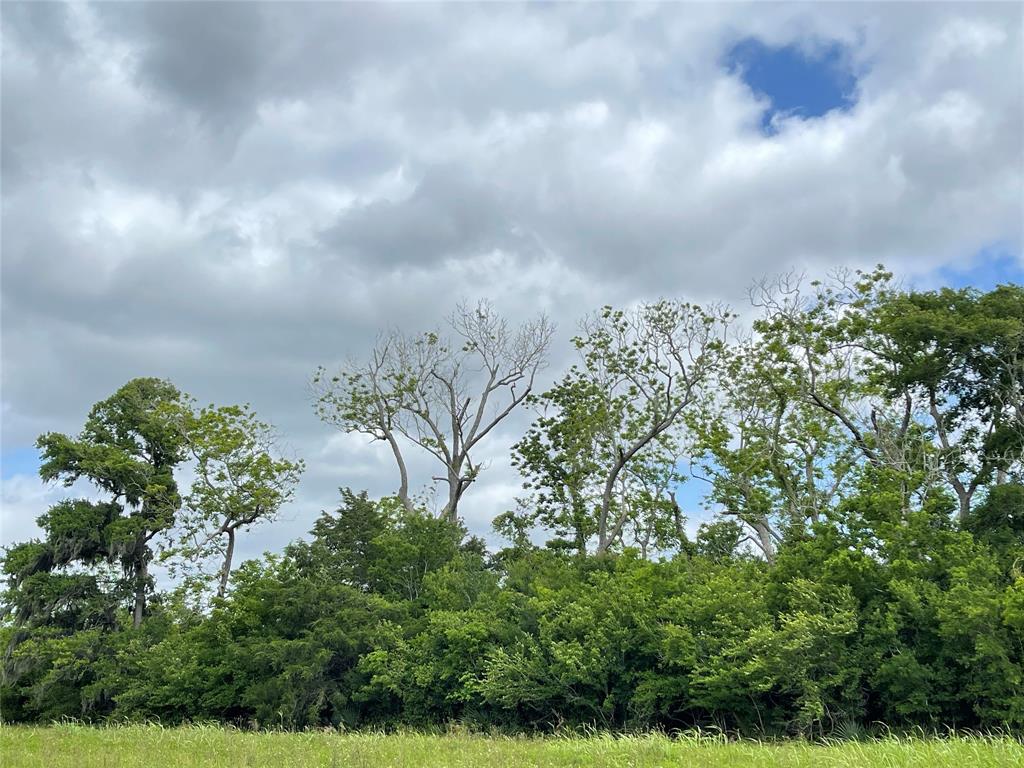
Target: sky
<point>228,195</point>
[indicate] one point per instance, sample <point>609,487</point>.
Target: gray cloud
<point>230,194</point>
<point>449,215</point>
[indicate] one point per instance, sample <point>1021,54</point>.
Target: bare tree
<point>443,395</point>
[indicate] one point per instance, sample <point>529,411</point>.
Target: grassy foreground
<point>156,747</point>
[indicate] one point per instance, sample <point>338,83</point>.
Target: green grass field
<point>155,747</point>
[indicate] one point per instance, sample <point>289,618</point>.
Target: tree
<point>560,458</point>
<point>69,592</point>
<point>774,461</point>
<point>240,482</point>
<point>128,450</point>
<point>443,395</point>
<point>999,520</point>
<point>606,431</point>
<point>380,546</point>
<point>855,349</point>
<point>960,353</point>
<point>345,541</point>
<point>841,438</point>
<point>719,539</point>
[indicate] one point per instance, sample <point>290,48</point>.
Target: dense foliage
<point>861,449</point>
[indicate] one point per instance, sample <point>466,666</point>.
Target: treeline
<point>861,450</point>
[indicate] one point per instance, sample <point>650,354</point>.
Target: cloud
<point>449,215</point>
<point>230,194</point>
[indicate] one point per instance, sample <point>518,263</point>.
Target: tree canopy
<point>859,561</point>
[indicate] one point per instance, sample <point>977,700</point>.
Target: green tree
<point>960,354</point>
<point>774,461</point>
<point>927,385</point>
<point>240,482</point>
<point>605,444</point>
<point>67,592</point>
<point>382,547</point>
<point>999,520</point>
<point>128,450</point>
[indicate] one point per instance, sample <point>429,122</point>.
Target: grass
<point>152,746</point>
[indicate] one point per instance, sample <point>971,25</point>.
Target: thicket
<point>861,449</point>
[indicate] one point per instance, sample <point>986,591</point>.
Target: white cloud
<point>231,195</point>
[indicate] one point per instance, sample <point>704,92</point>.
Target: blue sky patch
<point>990,267</point>
<point>19,461</point>
<point>808,82</point>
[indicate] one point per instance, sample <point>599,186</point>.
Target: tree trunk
<point>602,525</point>
<point>451,509</point>
<point>677,518</point>
<point>604,539</point>
<point>141,576</point>
<point>962,493</point>
<point>965,506</point>
<point>457,485</point>
<point>225,571</point>
<point>403,472</point>
<point>764,540</point>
